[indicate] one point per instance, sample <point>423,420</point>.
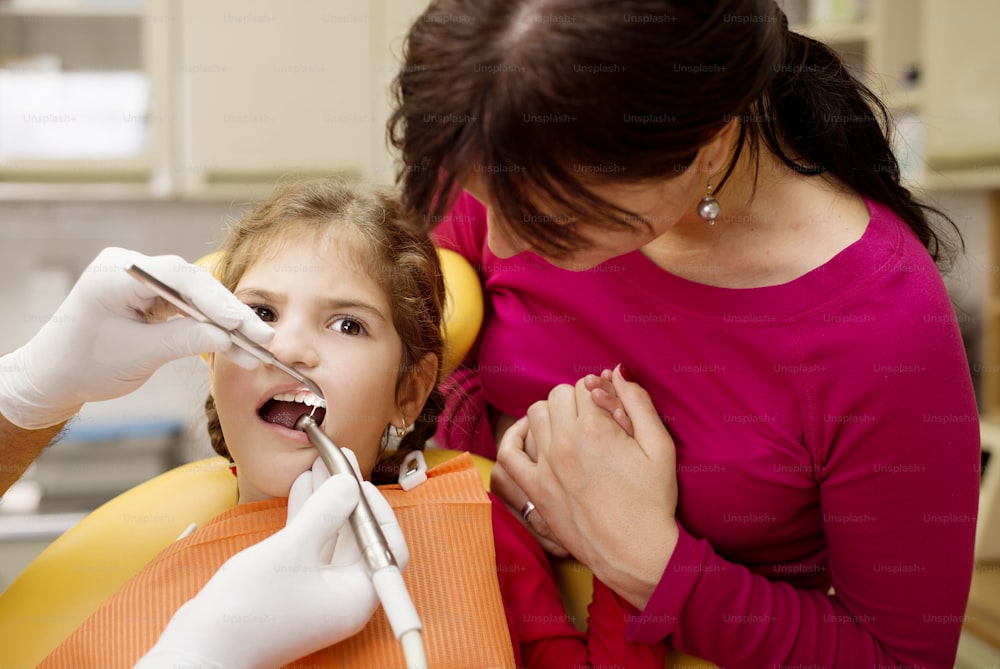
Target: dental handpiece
<point>379,561</point>
<point>374,547</point>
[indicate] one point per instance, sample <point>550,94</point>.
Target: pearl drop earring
<point>709,207</point>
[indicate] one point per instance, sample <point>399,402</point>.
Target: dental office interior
<point>148,124</point>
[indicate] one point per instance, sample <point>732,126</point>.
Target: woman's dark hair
<point>543,97</point>
<point>404,264</point>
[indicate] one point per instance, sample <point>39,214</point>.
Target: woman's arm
<point>898,497</point>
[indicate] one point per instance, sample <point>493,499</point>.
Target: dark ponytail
<point>817,118</point>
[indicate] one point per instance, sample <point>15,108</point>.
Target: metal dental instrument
<point>174,297</point>
<point>379,561</point>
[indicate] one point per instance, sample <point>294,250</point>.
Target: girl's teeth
<point>302,397</point>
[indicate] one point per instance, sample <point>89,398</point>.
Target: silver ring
<point>526,509</point>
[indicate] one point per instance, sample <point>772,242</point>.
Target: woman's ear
<point>417,388</point>
<point>715,155</point>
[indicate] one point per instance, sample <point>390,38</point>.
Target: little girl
<point>355,301</point>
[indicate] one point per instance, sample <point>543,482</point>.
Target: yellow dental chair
<point>88,563</point>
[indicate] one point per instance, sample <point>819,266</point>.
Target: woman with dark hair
<point>788,476</point>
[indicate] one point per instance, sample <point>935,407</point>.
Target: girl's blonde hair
<point>404,264</point>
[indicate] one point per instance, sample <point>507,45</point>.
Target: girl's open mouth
<point>286,408</point>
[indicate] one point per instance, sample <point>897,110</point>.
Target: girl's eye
<point>348,326</point>
<point>265,314</point>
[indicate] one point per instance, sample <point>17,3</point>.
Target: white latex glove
<point>342,550</point>
<point>111,333</point>
<point>284,598</point>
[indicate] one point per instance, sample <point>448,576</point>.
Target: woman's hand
<point>608,497</point>
<point>602,392</point>
<point>515,499</point>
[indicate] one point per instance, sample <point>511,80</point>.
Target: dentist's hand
<point>111,333</point>
<point>308,581</point>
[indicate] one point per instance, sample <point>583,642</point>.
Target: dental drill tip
<point>305,422</point>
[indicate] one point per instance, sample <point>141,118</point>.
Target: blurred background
<point>149,124</point>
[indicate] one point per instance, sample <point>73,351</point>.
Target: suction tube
<point>379,561</point>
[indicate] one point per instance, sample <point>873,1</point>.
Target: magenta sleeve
<point>901,534</point>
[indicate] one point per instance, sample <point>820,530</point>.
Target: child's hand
<point>602,392</point>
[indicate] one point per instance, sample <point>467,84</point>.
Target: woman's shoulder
<point>463,228</point>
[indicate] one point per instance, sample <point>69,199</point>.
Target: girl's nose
<point>295,344</point>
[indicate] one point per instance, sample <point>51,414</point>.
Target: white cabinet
<point>267,90</point>
<point>936,64</point>
<point>84,95</point>
<point>218,99</point>
<point>962,101</point>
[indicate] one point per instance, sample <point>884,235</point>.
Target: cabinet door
<point>84,99</point>
<point>962,83</point>
<point>269,89</point>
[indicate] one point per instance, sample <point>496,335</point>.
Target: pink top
<point>827,435</point>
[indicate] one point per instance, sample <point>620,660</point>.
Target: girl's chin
<point>273,491</point>
<point>276,479</point>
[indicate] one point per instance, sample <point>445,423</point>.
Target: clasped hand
<point>599,465</point>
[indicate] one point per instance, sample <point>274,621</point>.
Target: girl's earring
<point>400,431</point>
<point>709,207</point>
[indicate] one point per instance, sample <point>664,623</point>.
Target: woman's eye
<point>348,326</point>
<point>265,314</point>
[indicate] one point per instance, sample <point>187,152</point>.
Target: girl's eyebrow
<point>354,305</point>
<point>270,297</point>
<point>259,293</point>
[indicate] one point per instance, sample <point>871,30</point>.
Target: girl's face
<point>333,323</point>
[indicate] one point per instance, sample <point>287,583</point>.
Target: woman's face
<point>666,205</point>
<point>333,323</point>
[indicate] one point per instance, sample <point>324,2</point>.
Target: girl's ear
<point>418,387</point>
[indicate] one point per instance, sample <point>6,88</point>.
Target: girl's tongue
<point>286,414</point>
